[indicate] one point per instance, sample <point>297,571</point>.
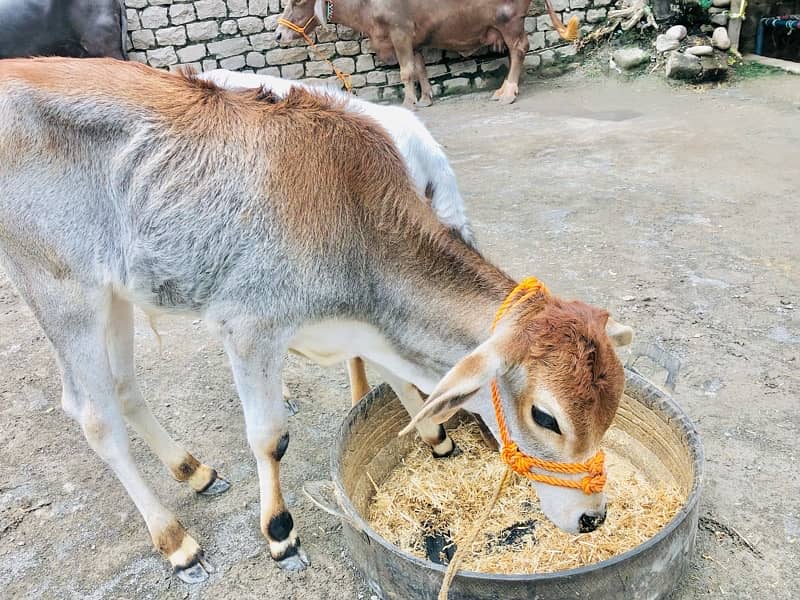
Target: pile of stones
<point>694,58</point>
<point>697,58</point>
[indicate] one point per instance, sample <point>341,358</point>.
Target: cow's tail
<point>123,28</point>
<point>569,31</point>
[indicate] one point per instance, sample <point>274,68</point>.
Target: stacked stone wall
<point>240,35</point>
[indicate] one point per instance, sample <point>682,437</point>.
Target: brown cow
<point>397,28</point>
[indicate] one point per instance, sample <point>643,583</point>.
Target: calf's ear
<point>460,383</point>
<point>620,335</point>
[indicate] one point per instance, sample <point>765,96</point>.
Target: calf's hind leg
<point>183,466</point>
<point>76,321</point>
<point>256,363</point>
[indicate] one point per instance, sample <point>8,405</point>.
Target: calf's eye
<point>542,419</point>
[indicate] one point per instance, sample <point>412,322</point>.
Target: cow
<point>398,28</point>
<point>77,28</point>
<point>122,185</point>
<point>425,161</point>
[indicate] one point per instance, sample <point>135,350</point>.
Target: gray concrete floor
<point>675,208</point>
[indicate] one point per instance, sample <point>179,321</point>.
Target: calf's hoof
<point>291,406</point>
<point>187,559</point>
<point>510,99</point>
<point>295,562</point>
<point>217,486</point>
<point>192,574</point>
<point>447,453</point>
<point>424,101</point>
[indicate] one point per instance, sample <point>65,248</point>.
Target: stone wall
<point>240,35</point>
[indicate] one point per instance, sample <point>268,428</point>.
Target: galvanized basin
<point>368,441</point>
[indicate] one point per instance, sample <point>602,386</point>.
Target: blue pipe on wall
<point>775,22</point>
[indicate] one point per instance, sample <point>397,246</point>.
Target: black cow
<point>78,28</point>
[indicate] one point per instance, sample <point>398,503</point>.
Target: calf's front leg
<point>257,361</point>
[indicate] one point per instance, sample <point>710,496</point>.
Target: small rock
<point>629,298</point>
<point>721,3</point>
<point>629,58</point>
<point>683,66</point>
<point>714,67</point>
<point>700,50</point>
<point>720,39</point>
<point>721,19</point>
<point>665,44</point>
<point>676,32</point>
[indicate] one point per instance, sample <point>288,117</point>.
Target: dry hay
<point>441,499</point>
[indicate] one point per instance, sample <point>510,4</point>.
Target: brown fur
<point>186,469</point>
<point>565,343</point>
<point>170,538</point>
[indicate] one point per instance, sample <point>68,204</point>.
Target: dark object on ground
<point>516,533</point>
<point>439,547</point>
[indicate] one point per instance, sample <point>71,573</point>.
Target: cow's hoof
<point>424,101</point>
<point>218,486</point>
<point>192,574</point>
<point>409,104</point>
<point>296,562</point>
<point>510,99</point>
<point>499,93</point>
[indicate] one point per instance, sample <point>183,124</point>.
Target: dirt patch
<point>674,208</point>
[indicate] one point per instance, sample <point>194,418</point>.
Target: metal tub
<point>368,441</point>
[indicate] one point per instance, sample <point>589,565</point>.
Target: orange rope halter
<point>520,462</point>
<point>343,77</point>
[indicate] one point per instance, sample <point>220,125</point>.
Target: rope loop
<point>345,78</point>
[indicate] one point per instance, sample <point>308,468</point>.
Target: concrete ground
<point>673,207</point>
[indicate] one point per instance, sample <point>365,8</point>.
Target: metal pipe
<point>775,22</point>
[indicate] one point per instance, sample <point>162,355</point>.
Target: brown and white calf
<point>399,28</point>
<point>121,185</point>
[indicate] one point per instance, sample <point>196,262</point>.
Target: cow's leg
<point>76,321</point>
<point>518,44</point>
<point>442,445</point>
<point>182,465</point>
<point>257,361</point>
<point>359,385</point>
<point>421,71</point>
<point>404,51</point>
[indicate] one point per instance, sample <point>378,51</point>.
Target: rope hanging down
<point>343,77</point>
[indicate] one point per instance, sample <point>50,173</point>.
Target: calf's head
<point>560,382</point>
<point>306,14</point>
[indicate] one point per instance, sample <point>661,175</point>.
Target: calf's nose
<point>590,521</point>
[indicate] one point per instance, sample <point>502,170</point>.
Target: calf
<point>122,185</point>
<point>77,28</point>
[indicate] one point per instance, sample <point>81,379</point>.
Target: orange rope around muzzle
<point>518,461</point>
<point>343,77</point>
